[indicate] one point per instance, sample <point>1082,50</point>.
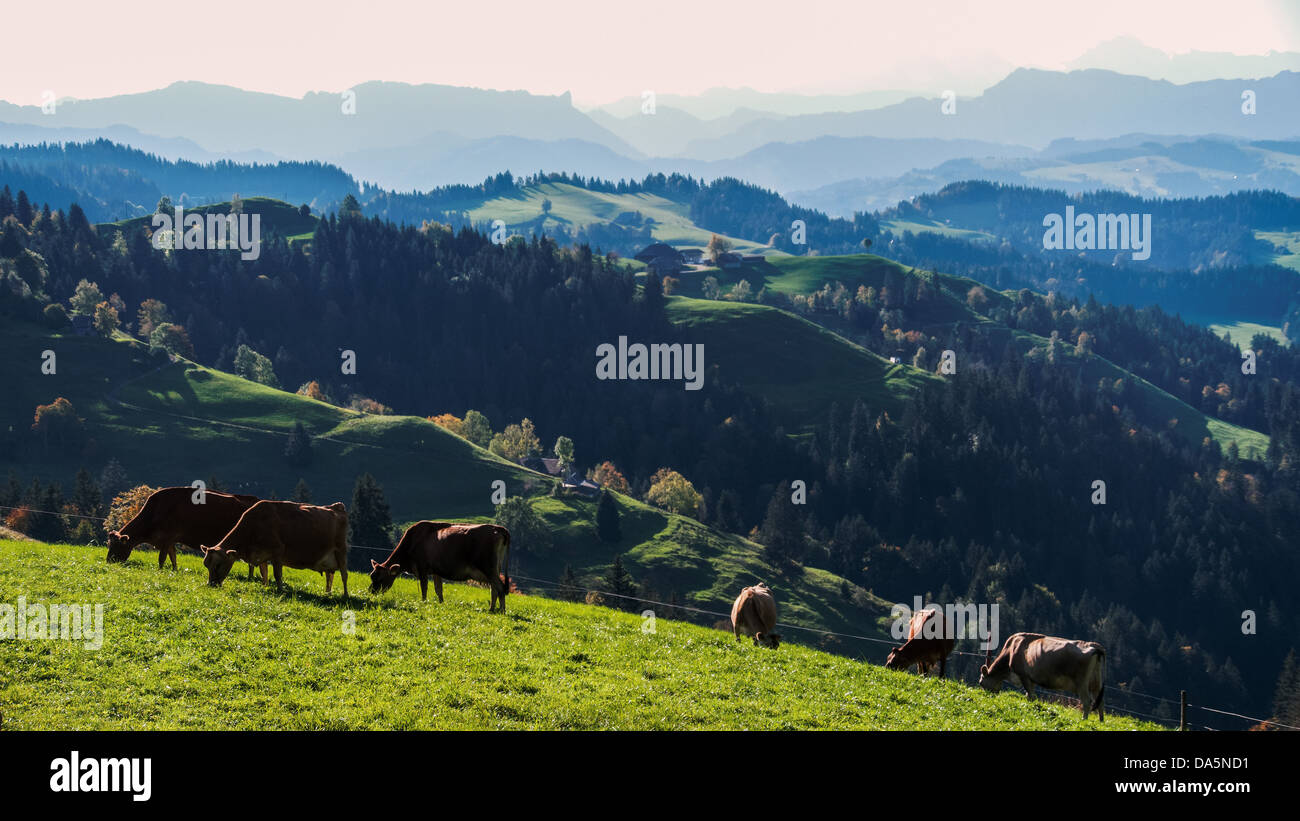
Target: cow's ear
<point>373,564</point>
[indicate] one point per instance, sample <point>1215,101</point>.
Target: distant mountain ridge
<point>418,137</point>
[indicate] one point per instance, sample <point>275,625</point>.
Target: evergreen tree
<point>86,498</point>
<point>620,582</point>
<point>1286,696</point>
<point>607,518</point>
<point>302,493</point>
<point>782,532</point>
<point>113,480</point>
<point>369,520</point>
<point>48,527</point>
<point>569,585</point>
<point>297,451</point>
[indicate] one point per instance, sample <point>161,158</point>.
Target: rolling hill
<point>573,207</point>
<point>170,423</point>
<point>799,367</point>
<point>834,369</point>
<point>276,217</point>
<point>177,654</point>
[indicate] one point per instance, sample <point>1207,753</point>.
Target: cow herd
<point>230,528</point>
<point>1033,659</point>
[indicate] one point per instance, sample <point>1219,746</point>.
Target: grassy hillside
<point>827,368</point>
<point>800,367</point>
<point>1286,248</point>
<point>1242,332</point>
<point>573,207</point>
<point>177,654</point>
<point>172,423</point>
<point>276,216</point>
<point>805,274</point>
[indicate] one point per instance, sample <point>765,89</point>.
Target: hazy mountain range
<point>1077,130</point>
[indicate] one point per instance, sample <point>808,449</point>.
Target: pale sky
<point>599,50</point>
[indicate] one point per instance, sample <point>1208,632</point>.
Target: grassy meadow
<point>177,654</point>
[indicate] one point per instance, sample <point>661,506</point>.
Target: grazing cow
<point>1047,661</point>
<point>754,614</point>
<point>307,537</point>
<point>929,641</point>
<point>449,551</point>
<point>171,515</point>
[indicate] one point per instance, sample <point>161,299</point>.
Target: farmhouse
<point>547,465</point>
<point>661,258</point>
<point>730,260</point>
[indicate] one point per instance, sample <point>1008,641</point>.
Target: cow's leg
<point>265,580</point>
<point>498,593</point>
<point>1084,700</point>
<point>279,576</point>
<point>250,571</point>
<point>344,574</point>
<point>943,667</point>
<point>424,586</point>
<point>329,581</point>
<point>1029,687</point>
<point>162,557</point>
<point>437,586</point>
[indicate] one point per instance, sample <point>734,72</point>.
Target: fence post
<point>1182,710</point>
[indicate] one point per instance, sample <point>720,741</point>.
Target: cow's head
<point>990,680</point>
<point>119,546</point>
<point>895,660</point>
<point>772,640</point>
<point>218,562</point>
<point>383,576</point>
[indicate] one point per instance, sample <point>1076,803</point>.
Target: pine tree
<point>1286,696</point>
<point>607,518</point>
<point>782,532</point>
<point>48,527</point>
<point>569,585</point>
<point>297,451</point>
<point>113,480</point>
<point>369,519</point>
<point>620,582</point>
<point>86,498</point>
<point>302,493</point>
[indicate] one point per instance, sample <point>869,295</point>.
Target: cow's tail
<point>1101,691</point>
<point>505,558</point>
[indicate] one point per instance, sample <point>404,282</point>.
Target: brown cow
<point>307,537</point>
<point>1055,663</point>
<point>754,614</point>
<point>172,515</point>
<point>448,551</point>
<point>929,641</point>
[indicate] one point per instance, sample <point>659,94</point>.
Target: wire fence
<point>559,586</point>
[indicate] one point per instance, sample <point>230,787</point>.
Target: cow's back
<point>173,512</point>
<point>754,610</point>
<point>307,537</point>
<point>1059,663</point>
<point>462,551</point>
